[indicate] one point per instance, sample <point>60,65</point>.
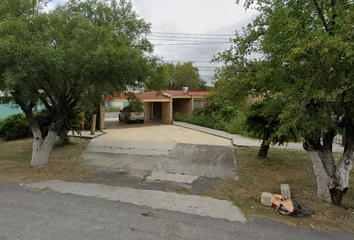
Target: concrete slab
<point>189,204</point>
<point>126,162</point>
<point>168,176</point>
<point>184,159</point>
<point>130,147</point>
<point>152,131</point>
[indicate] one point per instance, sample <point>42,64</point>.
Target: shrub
<point>2,133</point>
<point>219,113</point>
<point>74,121</point>
<point>15,127</point>
<point>179,117</point>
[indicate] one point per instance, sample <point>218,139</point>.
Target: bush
<point>179,118</point>
<point>220,114</point>
<point>2,133</point>
<point>15,127</point>
<point>74,121</point>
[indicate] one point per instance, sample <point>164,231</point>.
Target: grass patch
<point>143,179</point>
<point>286,166</point>
<point>64,162</point>
<point>126,177</point>
<point>182,190</point>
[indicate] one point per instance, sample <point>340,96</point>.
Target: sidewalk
<point>240,141</point>
<point>190,204</point>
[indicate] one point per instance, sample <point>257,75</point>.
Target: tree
<point>306,63</point>
<point>183,75</point>
<point>263,120</point>
<point>61,57</point>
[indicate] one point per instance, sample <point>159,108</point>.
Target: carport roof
<point>166,94</point>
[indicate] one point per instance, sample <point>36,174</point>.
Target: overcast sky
<point>179,28</point>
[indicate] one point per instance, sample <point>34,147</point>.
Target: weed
<point>126,177</point>
<point>182,190</point>
<point>47,190</point>
<point>143,179</point>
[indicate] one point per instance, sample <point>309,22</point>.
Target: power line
<point>173,38</point>
<point>187,61</point>
<point>198,34</point>
<point>191,43</point>
<point>214,49</point>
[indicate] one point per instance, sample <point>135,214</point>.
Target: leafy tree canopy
<point>184,75</point>
<point>306,66</point>
<point>79,49</point>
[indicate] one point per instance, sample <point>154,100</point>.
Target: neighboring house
<point>169,103</point>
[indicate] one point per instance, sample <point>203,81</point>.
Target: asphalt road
<point>31,214</point>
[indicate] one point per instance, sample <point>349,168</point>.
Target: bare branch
<point>320,13</point>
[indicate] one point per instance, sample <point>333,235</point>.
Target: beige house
<point>168,103</point>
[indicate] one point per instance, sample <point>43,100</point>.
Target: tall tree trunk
<point>63,136</point>
<point>263,150</point>
<point>332,180</point>
<point>41,147</point>
<point>324,180</point>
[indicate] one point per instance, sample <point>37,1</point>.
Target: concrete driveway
<point>153,131</point>
<point>160,152</point>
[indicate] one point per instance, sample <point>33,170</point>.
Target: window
<point>198,104</point>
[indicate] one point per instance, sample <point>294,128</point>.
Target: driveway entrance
<point>158,152</point>
<point>155,131</point>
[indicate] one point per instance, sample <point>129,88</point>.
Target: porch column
<point>167,112</point>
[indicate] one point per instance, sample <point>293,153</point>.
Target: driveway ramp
<point>201,160</point>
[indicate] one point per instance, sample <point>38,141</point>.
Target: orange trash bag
<point>283,204</point>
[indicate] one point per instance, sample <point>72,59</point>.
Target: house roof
<point>198,93</point>
<point>166,94</point>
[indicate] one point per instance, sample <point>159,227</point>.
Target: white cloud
<point>191,15</point>
<point>222,17</point>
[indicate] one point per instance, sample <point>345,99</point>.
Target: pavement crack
<point>148,214</point>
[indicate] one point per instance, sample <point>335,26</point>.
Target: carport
<point>164,105</point>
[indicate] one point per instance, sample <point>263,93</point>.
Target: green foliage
<point>183,75</point>
<point>74,122</point>
<point>218,113</point>
<point>134,102</point>
<point>137,105</point>
<point>15,127</point>
<point>1,128</point>
<point>177,117</point>
<point>306,62</point>
<point>305,66</point>
<point>264,122</point>
<point>74,54</point>
<point>112,109</point>
<point>217,105</point>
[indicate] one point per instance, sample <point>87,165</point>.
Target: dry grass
<point>283,166</point>
<point>255,176</point>
<point>64,162</point>
<point>182,190</point>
